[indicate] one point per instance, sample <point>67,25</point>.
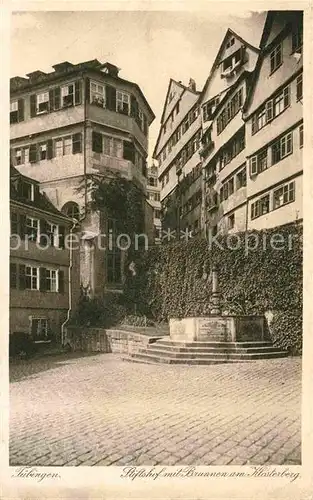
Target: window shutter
<point>22,276</point>
<point>22,226</point>
<point>134,107</point>
<point>286,96</point>
<point>87,90</point>
<point>57,98</point>
<point>51,100</point>
<point>269,111</point>
<point>129,151</point>
<point>97,142</point>
<point>253,165</point>
<point>254,124</point>
<point>61,237</point>
<point>43,239</point>
<point>49,149</point>
<point>20,104</point>
<point>36,192</point>
<point>33,153</point>
<point>33,105</point>
<point>13,277</point>
<point>77,143</point>
<point>61,281</point>
<point>78,92</point>
<point>43,279</point>
<point>110,97</point>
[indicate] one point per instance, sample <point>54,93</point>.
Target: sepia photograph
<point>156,241</point>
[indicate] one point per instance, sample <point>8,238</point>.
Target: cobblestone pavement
<point>100,410</point>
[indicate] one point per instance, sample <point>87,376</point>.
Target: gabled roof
<point>218,56</point>
<point>185,89</point>
<point>264,38</point>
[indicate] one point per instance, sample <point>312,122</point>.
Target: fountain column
<point>215,300</point>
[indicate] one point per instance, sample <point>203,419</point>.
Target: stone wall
<point>101,340</point>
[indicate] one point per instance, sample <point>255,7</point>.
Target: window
<point>42,102</point>
<point>32,228</point>
<point>260,207</point>
<point>122,102</point>
<point>18,157</point>
<point>209,108</point>
<point>51,280</point>
<point>27,190</point>
<point>13,275</point>
<point>32,278</point>
<point>67,145</point>
<point>241,180</point>
<point>299,87</point>
<point>17,111</point>
<point>297,39</point>
<point>42,151</point>
<point>152,181</point>
<point>71,209</point>
<point>282,148</point>
<point>67,95</point>
<point>39,328</point>
<point>58,147</point>
<point>231,221</point>
<point>97,94</point>
<point>14,223</point>
<point>276,58</point>
<point>53,234</point>
<point>281,102</point>
<point>157,214</point>
<point>258,120</point>
<point>258,163</point>
<point>227,189</point>
<point>230,43</point>
<point>230,110</point>
<point>283,195</point>
<point>301,136</point>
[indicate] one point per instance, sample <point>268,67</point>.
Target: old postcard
<point>156,290</point>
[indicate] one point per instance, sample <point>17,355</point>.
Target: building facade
<point>224,136</point>
<point>153,196</point>
<point>273,114</point>
<point>78,121</point>
<point>44,267</point>
<point>177,154</point>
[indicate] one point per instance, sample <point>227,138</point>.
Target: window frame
<point>32,276</point>
<point>288,189</point>
<point>41,101</point>
<point>121,101</point>
<point>97,98</point>
<point>274,64</point>
<point>52,280</point>
<point>31,227</point>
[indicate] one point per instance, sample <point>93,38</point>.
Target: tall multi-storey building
<point>223,149</point>
<point>44,267</point>
<point>153,196</point>
<point>77,121</point>
<point>177,154</point>
<point>274,125</point>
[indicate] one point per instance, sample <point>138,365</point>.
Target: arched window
<point>71,209</point>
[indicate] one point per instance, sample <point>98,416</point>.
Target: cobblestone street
<point>100,410</point>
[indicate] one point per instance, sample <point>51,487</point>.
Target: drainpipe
<point>75,222</point>
<point>69,285</point>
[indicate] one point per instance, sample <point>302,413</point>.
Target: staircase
<point>204,353</point>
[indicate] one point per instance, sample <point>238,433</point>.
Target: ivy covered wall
<point>259,272</point>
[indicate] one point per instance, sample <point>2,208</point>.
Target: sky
<point>149,47</point>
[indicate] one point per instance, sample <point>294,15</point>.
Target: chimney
<point>192,85</point>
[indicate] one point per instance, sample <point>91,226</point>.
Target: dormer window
<point>97,94</point>
<point>27,190</point>
<point>42,102</point>
<point>297,40</point>
<point>18,157</point>
<point>67,95</point>
<point>232,62</point>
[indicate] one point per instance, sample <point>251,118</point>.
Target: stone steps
<point>196,353</point>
